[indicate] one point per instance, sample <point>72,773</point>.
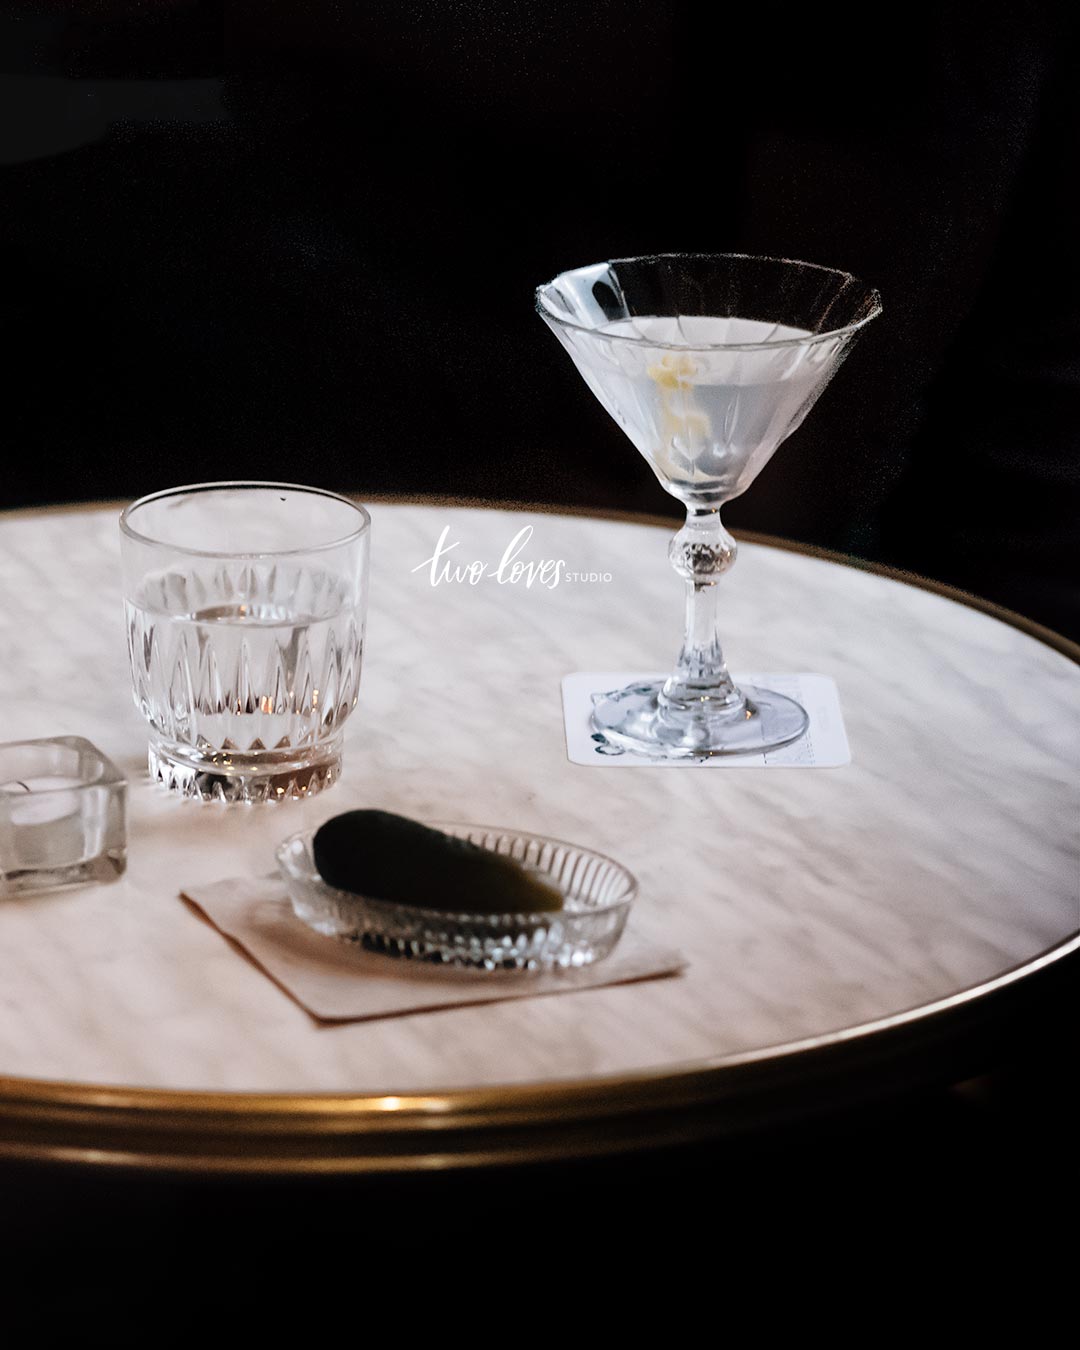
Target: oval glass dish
<point>597,894</point>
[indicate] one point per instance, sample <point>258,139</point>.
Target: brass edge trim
<point>64,509</point>
<point>247,1118</point>
<point>433,1109</point>
<point>272,1132</point>
<point>1011,617</point>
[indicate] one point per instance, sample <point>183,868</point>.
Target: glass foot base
<point>634,719</point>
<point>268,777</point>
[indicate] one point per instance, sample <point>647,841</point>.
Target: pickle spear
<point>387,857</point>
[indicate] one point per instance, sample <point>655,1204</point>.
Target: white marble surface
<point>807,901</point>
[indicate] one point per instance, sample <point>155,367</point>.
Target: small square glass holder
<point>62,815</point>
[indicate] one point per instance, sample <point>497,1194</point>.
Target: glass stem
<point>701,553</point>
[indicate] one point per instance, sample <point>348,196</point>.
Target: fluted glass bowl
<point>597,895</point>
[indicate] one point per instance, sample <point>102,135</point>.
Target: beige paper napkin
<point>340,982</point>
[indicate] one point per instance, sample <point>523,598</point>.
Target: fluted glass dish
<point>245,607</point>
<point>597,895</point>
<point>707,361</point>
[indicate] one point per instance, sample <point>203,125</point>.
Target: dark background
<point>300,241</point>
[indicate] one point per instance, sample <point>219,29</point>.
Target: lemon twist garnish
<point>680,417</point>
<point>672,372</point>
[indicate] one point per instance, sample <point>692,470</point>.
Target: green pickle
<point>387,857</point>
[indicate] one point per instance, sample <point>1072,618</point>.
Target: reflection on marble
<point>943,855</point>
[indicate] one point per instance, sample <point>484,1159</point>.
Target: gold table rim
<point>225,1131</point>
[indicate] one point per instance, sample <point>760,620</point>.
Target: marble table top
<point>807,901</point>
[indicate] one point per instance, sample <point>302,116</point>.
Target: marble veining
<point>806,901</point>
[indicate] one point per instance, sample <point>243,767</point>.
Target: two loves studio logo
<point>514,568</point>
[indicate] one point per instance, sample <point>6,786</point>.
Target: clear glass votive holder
<point>245,607</point>
<point>62,815</point>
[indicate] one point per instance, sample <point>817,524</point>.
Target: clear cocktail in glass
<point>707,362</point>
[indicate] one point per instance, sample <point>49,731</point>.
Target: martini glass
<point>707,362</point>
